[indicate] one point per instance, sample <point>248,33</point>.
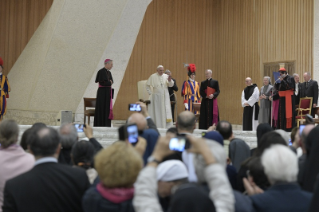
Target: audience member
<point>88,131</point>
<point>24,139</point>
<point>284,195</point>
<point>256,174</point>
<point>82,156</point>
<point>211,171</point>
<point>239,151</point>
<point>230,169</point>
<point>260,131</point>
<point>170,174</point>
<point>150,135</point>
<point>13,159</point>
<point>69,136</point>
<point>48,186</point>
<point>311,167</point>
<point>27,134</point>
<point>172,132</point>
<point>314,206</point>
<point>302,143</point>
<point>118,167</point>
<point>266,141</point>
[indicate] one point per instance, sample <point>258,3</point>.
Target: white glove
<point>186,106</point>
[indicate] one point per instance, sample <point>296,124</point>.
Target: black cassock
<point>103,98</point>
<point>206,108</point>
<point>248,110</point>
<point>288,83</point>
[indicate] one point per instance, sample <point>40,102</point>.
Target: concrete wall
<point>58,66</point>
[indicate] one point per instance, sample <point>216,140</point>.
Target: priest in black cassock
<point>104,109</point>
<point>209,109</point>
<point>286,90</point>
<point>249,101</point>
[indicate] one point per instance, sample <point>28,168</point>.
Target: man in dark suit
<point>309,88</point>
<point>171,94</point>
<point>208,108</point>
<point>48,186</point>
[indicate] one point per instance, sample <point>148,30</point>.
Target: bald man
<point>145,130</point>
<point>249,101</point>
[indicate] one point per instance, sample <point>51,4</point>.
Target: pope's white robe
<point>160,107</point>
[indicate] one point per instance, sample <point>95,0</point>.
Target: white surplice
<point>160,107</point>
<point>251,101</point>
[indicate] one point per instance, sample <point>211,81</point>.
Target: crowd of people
<point>52,170</point>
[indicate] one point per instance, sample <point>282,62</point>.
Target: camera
<point>129,132</point>
<point>179,144</point>
<point>134,107</point>
<point>79,127</point>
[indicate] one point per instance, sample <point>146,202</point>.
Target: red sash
<point>287,94</point>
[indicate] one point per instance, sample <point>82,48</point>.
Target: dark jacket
<point>310,91</point>
<point>287,197</point>
<point>46,187</point>
<point>94,202</point>
<point>171,91</point>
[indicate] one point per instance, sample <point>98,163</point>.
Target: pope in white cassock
<point>160,107</point>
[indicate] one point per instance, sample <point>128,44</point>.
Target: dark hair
<point>225,129</point>
<point>172,130</point>
<point>267,140</point>
<point>24,142</point>
<point>83,152</point>
<point>9,132</point>
<point>256,170</point>
<point>186,121</point>
<point>44,141</point>
<point>38,125</point>
<point>261,130</point>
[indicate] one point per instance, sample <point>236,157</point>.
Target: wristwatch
<point>152,159</point>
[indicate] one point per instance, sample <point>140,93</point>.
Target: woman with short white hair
<point>281,168</point>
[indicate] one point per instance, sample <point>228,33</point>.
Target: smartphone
<point>301,127</point>
<point>129,132</point>
<point>79,127</point>
<point>134,107</point>
<point>179,144</point>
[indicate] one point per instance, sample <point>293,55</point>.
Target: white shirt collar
<point>45,160</point>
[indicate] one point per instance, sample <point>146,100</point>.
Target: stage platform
<point>107,135</point>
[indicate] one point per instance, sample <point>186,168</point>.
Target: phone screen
<point>177,144</point>
<point>132,133</point>
<point>79,127</point>
<point>134,107</point>
<point>301,127</point>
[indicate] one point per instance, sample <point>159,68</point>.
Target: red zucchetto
<point>282,69</point>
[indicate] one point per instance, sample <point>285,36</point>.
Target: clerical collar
<point>209,79</point>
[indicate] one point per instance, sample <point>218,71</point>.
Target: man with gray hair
<point>209,90</point>
<point>171,94</point>
<point>309,88</point>
<point>160,107</point>
<point>69,136</point>
<point>281,168</point>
